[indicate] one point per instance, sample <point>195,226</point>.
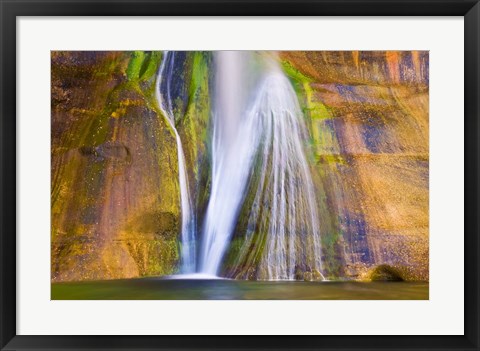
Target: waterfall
<point>232,148</point>
<point>258,136</point>
<point>163,91</point>
<point>284,213</point>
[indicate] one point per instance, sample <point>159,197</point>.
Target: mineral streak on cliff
<point>115,192</point>
<point>368,115</point>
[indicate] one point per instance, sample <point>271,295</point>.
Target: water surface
<point>206,289</point>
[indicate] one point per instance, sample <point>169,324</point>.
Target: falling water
<point>232,149</point>
<point>163,94</point>
<point>284,213</point>
<point>257,139</point>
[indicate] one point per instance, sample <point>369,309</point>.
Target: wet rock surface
<point>115,192</point>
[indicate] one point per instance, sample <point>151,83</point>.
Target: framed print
<point>260,212</point>
<point>237,175</point>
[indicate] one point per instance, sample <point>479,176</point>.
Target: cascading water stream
<point>232,147</point>
<point>164,100</point>
<point>284,213</point>
<point>258,137</point>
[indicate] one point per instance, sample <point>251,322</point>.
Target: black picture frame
<point>10,10</point>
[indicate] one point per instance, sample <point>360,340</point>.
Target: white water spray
<point>164,100</point>
<point>258,132</point>
<point>284,211</point>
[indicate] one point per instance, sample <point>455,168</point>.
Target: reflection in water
<point>183,289</point>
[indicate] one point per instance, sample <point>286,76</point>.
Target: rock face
<point>368,116</point>
<point>115,211</point>
<point>115,192</point>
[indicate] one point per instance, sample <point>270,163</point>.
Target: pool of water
<point>215,289</point>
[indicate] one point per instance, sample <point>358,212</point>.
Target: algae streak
<point>115,211</point>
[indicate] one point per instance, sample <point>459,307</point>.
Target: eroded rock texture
<point>114,186</point>
<point>115,193</point>
<point>368,115</point>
